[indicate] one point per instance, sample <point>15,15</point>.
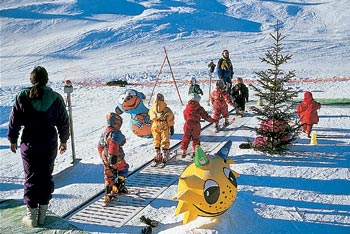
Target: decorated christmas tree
<point>278,124</point>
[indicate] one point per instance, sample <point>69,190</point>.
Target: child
<point>219,99</point>
<point>240,94</point>
<point>112,155</point>
<point>192,128</point>
<point>307,112</point>
<point>194,89</point>
<point>162,121</point>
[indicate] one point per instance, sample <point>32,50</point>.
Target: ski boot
<point>217,128</point>
<point>226,123</point>
<point>121,185</point>
<point>148,221</point>
<point>42,214</point>
<point>110,194</point>
<point>165,158</point>
<point>31,219</point>
<point>184,153</point>
<point>157,158</point>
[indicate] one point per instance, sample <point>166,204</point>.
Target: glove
<point>171,130</point>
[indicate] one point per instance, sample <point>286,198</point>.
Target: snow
<point>89,42</point>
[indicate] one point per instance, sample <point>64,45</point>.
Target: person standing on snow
<point>192,128</point>
<point>240,94</point>
<point>219,99</point>
<point>307,112</point>
<point>111,152</point>
<point>43,115</point>
<point>162,119</point>
<point>225,70</point>
<point>195,89</point>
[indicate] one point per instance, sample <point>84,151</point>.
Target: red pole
<point>160,71</point>
<point>172,74</point>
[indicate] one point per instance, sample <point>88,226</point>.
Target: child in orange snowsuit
<point>307,112</point>
<point>162,119</point>
<point>219,99</point>
<point>111,152</point>
<point>192,127</point>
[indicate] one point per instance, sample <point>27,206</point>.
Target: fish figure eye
<point>230,176</point>
<point>122,98</point>
<point>211,191</point>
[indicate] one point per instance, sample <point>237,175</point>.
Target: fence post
<point>68,89</point>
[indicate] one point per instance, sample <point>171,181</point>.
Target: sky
<point>91,43</point>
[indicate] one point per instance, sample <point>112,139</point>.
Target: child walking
<point>307,112</point>
<point>162,119</point>
<point>192,128</point>
<point>219,99</point>
<point>240,94</point>
<point>111,152</point>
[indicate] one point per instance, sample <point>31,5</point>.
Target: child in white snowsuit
<point>162,119</point>
<point>111,152</point>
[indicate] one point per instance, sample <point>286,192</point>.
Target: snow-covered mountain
<point>107,39</point>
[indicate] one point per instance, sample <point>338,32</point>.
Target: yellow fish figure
<point>207,187</point>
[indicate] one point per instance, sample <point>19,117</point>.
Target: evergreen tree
<point>279,126</point>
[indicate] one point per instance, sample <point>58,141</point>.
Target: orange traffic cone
<point>313,139</point>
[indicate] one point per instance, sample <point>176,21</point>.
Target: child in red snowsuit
<point>307,112</point>
<point>219,99</point>
<point>192,128</point>
<point>111,152</point>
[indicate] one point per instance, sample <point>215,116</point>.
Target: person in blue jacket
<point>225,70</point>
<point>43,115</point>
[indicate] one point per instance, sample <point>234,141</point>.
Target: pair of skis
<point>115,197</point>
<point>159,164</point>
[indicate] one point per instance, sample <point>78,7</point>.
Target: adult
<point>42,113</point>
<point>225,70</point>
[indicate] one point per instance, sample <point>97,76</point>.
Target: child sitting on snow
<point>162,119</point>
<point>219,99</point>
<point>192,127</point>
<point>111,152</point>
<point>307,112</point>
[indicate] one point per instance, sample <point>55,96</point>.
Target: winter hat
<point>220,84</point>
<point>307,96</point>
<point>160,97</point>
<point>193,81</point>
<point>113,119</point>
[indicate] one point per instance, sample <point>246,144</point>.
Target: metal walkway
<point>151,181</point>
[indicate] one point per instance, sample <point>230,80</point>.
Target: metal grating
<point>151,181</point>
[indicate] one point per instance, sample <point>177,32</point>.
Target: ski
<point>331,136</point>
<point>115,197</point>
